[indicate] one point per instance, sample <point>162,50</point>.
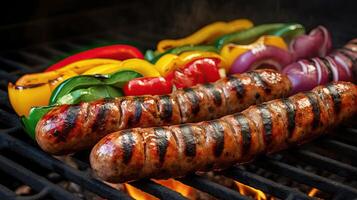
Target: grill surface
<point>22,162</point>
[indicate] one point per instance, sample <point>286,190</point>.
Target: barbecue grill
<point>327,165</point>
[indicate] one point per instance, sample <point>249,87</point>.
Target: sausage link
<point>174,151</point>
<point>70,128</point>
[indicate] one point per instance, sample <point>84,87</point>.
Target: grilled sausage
<point>69,128</point>
<point>173,151</point>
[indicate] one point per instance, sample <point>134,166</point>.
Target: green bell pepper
<point>91,87</point>
<point>152,56</point>
<point>250,35</point>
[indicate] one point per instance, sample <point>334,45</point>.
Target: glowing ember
<point>313,192</point>
<point>249,191</point>
<point>138,194</point>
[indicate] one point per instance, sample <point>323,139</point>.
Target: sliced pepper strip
<point>138,65</point>
<point>153,57</point>
<point>170,62</point>
<point>286,31</point>
<point>231,51</point>
<point>116,52</point>
<point>206,34</point>
<point>77,67</point>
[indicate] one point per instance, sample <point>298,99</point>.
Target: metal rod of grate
<point>46,188</point>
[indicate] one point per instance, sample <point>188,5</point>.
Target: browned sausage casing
<point>173,151</point>
<point>69,128</point>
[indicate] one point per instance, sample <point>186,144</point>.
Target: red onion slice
<point>273,56</point>
<point>317,43</point>
<point>343,70</point>
<point>302,74</point>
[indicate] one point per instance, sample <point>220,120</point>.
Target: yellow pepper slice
<point>143,67</point>
<point>166,63</point>
<point>206,34</point>
<point>23,98</point>
<point>170,62</point>
<point>77,67</point>
<point>232,51</point>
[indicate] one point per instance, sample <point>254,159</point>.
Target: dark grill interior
<point>328,164</point>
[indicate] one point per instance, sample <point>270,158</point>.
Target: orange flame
<point>313,192</point>
<point>249,191</point>
<point>138,194</point>
<point>177,186</point>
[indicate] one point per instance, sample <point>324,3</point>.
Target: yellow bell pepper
<point>166,63</point>
<point>138,65</point>
<point>170,62</point>
<point>77,67</point>
<point>206,34</point>
<point>35,89</point>
<point>232,51</point>
<point>23,97</point>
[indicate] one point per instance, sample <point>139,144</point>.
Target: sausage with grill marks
<point>70,128</point>
<point>173,151</point>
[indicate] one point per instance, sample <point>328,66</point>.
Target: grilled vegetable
<point>170,62</point>
<point>317,43</point>
<point>263,56</point>
<point>147,86</point>
<point>88,88</point>
<point>203,70</point>
<point>231,52</point>
<point>305,74</point>
<point>174,151</point>
<point>116,52</point>
<point>69,128</point>
<point>153,57</point>
<point>206,34</point>
<point>250,35</point>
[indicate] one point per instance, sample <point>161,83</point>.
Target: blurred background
<point>31,22</point>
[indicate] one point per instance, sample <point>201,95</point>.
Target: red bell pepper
<point>117,52</point>
<point>198,71</point>
<point>147,86</point>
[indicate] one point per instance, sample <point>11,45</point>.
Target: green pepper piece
<point>31,121</point>
<point>178,50</point>
<point>75,83</point>
<point>247,36</point>
<point>90,94</point>
<point>118,79</point>
<point>289,32</point>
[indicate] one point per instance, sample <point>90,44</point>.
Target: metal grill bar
<point>345,149</point>
<point>38,183</point>
<point>212,188</point>
<point>307,178</point>
<point>6,193</point>
<point>264,184</point>
<point>326,163</point>
<point>16,65</point>
<point>157,190</point>
<point>61,168</point>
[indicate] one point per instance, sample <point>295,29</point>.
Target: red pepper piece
<point>117,52</point>
<point>147,86</point>
<point>202,70</point>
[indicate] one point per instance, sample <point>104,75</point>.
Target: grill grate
<point>17,150</point>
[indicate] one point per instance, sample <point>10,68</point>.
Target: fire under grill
<point>325,168</point>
